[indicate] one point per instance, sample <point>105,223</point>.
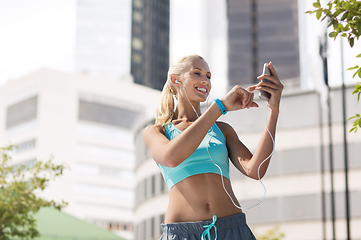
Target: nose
<point>206,80</point>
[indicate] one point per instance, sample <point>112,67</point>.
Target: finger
<point>268,78</point>
<point>272,84</point>
<point>271,91</point>
<point>249,100</point>
<point>252,104</point>
<point>272,69</point>
<point>251,88</point>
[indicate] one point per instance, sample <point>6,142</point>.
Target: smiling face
<point>196,79</point>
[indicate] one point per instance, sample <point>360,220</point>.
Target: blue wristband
<point>220,105</point>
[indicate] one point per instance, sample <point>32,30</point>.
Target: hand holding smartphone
<point>262,94</point>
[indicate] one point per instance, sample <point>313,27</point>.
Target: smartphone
<point>262,94</point>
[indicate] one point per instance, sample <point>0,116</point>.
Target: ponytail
<point>165,108</point>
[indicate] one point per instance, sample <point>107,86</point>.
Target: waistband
<point>196,227</point>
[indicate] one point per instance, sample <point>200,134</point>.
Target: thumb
<point>253,104</point>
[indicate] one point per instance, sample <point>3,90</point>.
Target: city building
<point>150,42</point>
<point>260,31</point>
<point>87,123</point>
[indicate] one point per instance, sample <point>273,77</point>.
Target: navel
<point>208,206</point>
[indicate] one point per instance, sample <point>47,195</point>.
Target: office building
<point>260,31</point>
<point>87,123</point>
<point>150,42</point>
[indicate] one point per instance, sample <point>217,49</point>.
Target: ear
<point>173,78</point>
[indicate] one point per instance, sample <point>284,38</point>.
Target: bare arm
<point>174,152</point>
<point>243,159</point>
<point>239,154</point>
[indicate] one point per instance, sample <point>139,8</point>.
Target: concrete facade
<point>87,124</point>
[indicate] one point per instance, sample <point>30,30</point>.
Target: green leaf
<point>339,27</point>
<point>332,34</point>
<point>349,17</point>
<point>354,74</point>
<point>359,74</point>
<point>344,16</point>
<point>353,68</point>
<point>316,4</point>
<point>338,12</point>
<point>318,14</point>
<point>354,129</point>
<point>334,23</point>
<point>351,42</point>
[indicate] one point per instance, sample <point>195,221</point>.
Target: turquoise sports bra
<point>199,162</point>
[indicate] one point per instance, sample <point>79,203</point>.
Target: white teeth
<point>202,89</point>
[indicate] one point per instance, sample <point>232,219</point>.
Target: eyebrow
<point>201,70</point>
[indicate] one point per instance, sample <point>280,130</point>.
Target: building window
<point>21,112</point>
<point>137,44</point>
<point>25,146</point>
<point>162,184</point>
<point>137,3</point>
<point>145,188</point>
<point>152,227</point>
<point>27,164</point>
<point>137,58</point>
<point>137,16</point>
<point>106,114</point>
<point>153,185</point>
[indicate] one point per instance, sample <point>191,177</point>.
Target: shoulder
<point>226,129</point>
<point>153,129</point>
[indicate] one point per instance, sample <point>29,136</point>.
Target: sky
<point>36,34</point>
<point>41,33</point>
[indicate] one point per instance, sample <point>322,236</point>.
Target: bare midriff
<point>199,197</point>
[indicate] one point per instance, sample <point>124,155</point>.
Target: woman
<point>187,145</point>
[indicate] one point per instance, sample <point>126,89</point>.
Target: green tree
<point>344,16</point>
<point>18,199</point>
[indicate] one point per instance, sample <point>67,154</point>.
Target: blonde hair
<point>165,109</point>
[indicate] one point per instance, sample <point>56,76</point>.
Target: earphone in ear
<point>176,81</point>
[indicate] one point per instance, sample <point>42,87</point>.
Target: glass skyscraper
<point>150,42</point>
<point>260,31</point>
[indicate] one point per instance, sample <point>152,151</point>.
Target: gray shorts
<point>232,227</point>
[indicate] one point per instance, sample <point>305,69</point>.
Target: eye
<point>197,73</point>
